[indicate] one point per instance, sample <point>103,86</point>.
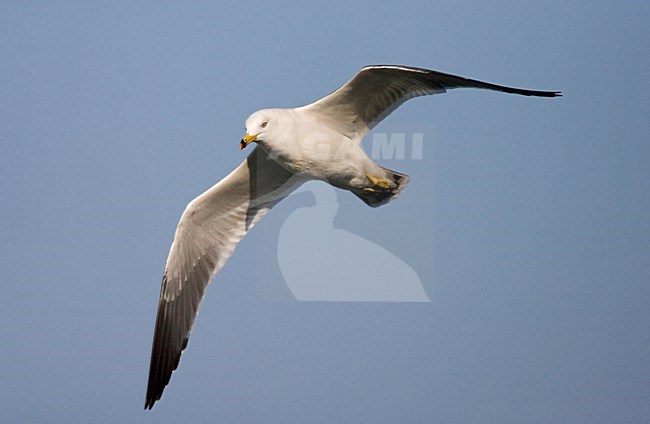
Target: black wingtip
<point>150,400</point>
<point>550,94</point>
<point>524,92</point>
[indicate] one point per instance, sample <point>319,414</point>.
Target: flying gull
<point>320,141</point>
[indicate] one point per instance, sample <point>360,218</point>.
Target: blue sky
<point>526,220</point>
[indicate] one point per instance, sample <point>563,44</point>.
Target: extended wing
<point>375,91</point>
<point>208,232</point>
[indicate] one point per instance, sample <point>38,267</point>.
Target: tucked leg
<point>378,184</point>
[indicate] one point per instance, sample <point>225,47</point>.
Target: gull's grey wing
<point>208,232</point>
<point>375,91</point>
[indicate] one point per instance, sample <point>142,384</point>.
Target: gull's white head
<point>258,126</point>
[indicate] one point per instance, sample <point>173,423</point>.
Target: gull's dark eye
<point>264,124</point>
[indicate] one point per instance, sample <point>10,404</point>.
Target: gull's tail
<point>376,198</point>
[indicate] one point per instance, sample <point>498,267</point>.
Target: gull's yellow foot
<point>377,184</point>
<point>380,188</point>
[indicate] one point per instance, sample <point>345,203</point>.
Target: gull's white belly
<point>327,156</point>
